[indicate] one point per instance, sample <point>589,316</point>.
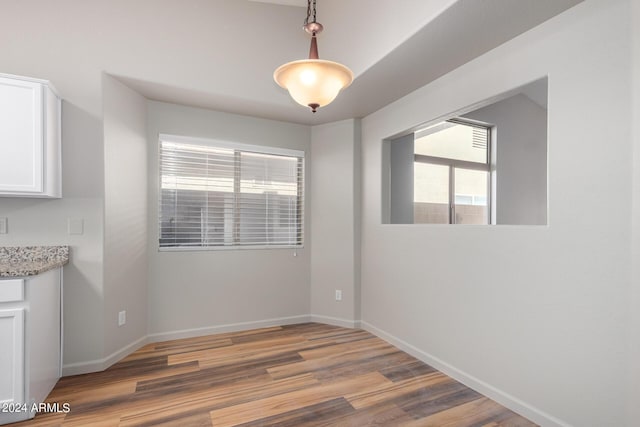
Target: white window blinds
<point>217,194</point>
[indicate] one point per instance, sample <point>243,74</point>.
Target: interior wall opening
<point>482,165</point>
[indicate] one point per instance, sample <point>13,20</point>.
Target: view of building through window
<point>229,196</point>
<point>451,174</point>
<point>486,164</point>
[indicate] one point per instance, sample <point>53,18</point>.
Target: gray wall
<point>633,397</point>
<point>335,198</point>
<point>125,218</point>
<point>533,316</point>
<point>521,159</point>
<point>196,292</point>
<point>401,160</point>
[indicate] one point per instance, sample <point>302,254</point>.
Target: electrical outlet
<point>3,226</point>
<point>122,318</point>
<point>338,295</point>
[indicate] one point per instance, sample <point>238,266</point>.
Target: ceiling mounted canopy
<point>313,82</point>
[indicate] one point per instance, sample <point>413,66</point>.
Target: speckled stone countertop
<point>20,261</point>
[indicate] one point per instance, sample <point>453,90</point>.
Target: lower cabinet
<point>11,359</point>
<point>31,337</point>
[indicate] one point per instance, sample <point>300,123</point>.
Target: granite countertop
<point>21,261</point>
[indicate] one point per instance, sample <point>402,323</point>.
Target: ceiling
<point>221,54</point>
<point>300,3</point>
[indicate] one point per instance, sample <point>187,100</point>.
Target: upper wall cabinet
<point>30,149</point>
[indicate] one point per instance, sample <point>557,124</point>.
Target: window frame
<point>463,164</point>
<point>238,148</point>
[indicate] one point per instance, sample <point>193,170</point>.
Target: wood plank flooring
<point>299,375</point>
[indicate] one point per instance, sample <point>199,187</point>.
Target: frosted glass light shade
<point>313,82</point>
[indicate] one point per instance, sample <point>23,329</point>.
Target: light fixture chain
<point>311,11</point>
<point>314,10</point>
<point>306,20</point>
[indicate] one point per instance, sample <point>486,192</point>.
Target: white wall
<point>335,222</point>
<point>200,292</point>
<point>633,397</point>
<point>125,218</point>
<point>521,159</point>
<point>535,317</point>
<point>354,42</point>
<point>44,222</point>
<point>31,46</point>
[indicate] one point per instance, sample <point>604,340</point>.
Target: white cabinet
<point>31,340</point>
<point>30,153</point>
<point>12,357</point>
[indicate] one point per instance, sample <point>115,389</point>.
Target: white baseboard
<point>105,362</point>
<point>231,327</point>
<point>505,399</point>
<point>335,321</point>
<point>102,364</point>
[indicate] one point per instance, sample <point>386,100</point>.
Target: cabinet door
<point>43,334</point>
<point>12,356</point>
<point>21,136</point>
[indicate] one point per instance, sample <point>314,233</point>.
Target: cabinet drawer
<point>11,290</point>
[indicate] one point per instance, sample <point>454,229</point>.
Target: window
<point>222,195</point>
<point>452,174</point>
<point>486,164</point>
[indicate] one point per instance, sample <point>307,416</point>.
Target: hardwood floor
<point>298,375</point>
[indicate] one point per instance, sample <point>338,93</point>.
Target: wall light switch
<point>75,226</point>
<point>122,317</point>
<point>3,226</point>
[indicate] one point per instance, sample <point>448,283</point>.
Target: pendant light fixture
<point>313,82</point>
